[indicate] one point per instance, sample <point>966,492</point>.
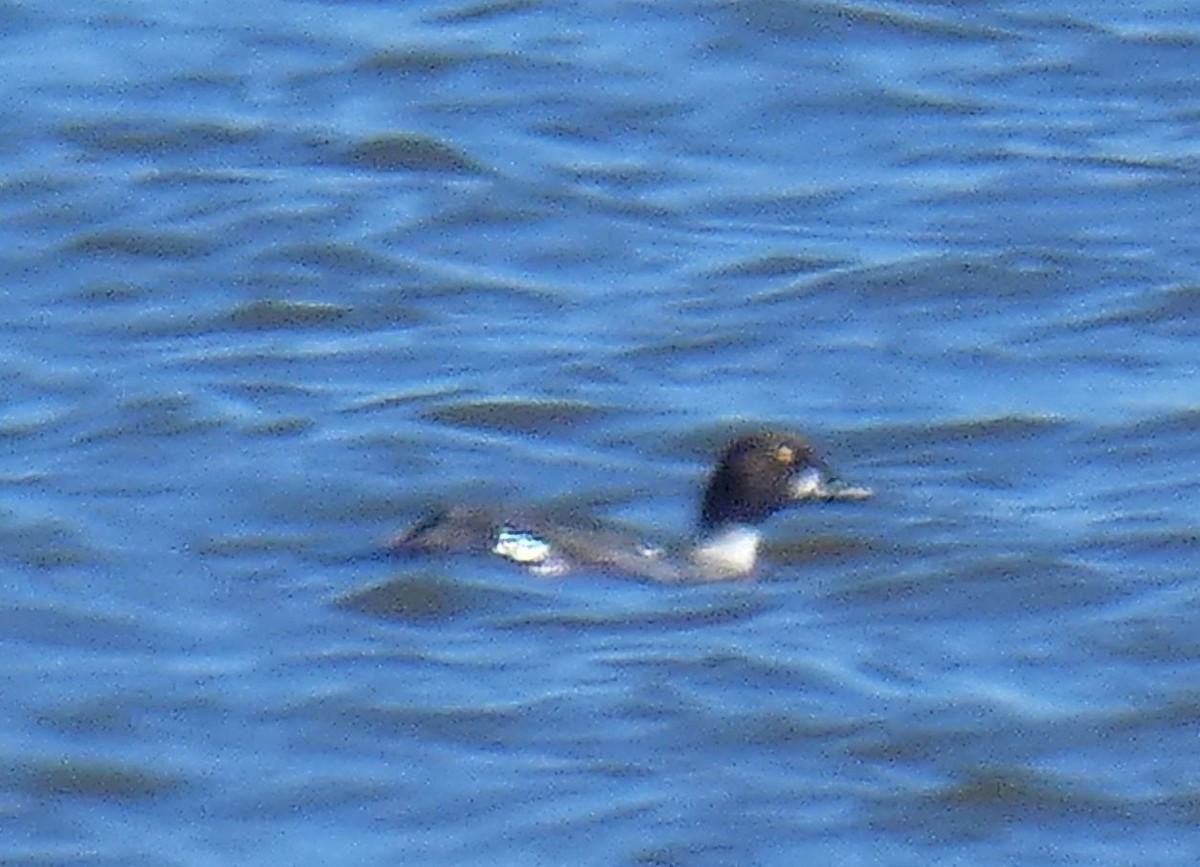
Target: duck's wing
<point>458,528</point>
<point>545,545</point>
<point>614,551</point>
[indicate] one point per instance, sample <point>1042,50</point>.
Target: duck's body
<point>756,475</point>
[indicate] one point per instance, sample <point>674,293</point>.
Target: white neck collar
<point>730,552</point>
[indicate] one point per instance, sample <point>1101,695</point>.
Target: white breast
<point>729,553</point>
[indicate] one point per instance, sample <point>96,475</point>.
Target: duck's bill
<point>814,483</point>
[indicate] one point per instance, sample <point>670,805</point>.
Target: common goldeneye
<point>755,476</point>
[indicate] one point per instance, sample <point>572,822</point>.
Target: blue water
<point>279,275</point>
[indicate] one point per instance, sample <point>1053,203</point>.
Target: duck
<point>755,476</point>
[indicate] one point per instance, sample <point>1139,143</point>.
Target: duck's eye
<point>785,455</point>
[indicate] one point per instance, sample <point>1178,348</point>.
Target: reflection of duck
<point>756,475</point>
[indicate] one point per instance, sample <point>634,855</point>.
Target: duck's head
<point>760,473</point>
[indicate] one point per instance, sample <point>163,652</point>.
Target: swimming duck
<point>755,476</point>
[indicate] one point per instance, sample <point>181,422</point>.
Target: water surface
<point>280,275</point>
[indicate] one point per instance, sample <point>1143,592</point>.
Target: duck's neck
<point>729,551</point>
